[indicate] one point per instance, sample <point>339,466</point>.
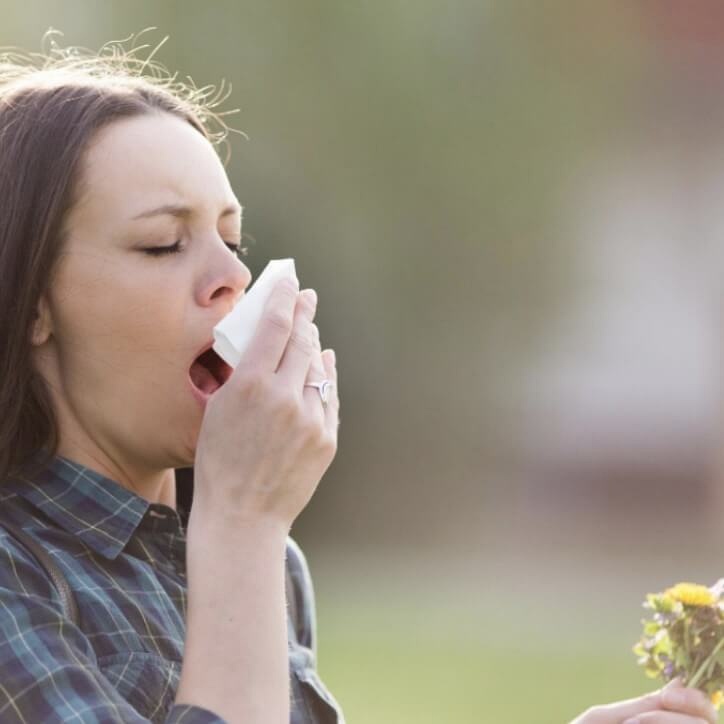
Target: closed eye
<point>176,248</point>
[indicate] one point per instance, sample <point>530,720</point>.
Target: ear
<point>42,326</point>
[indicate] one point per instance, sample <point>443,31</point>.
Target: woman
<point>118,245</point>
<point>119,241</point>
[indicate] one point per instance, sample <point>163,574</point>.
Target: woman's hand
<point>266,440</point>
<point>674,704</point>
<point>264,443</point>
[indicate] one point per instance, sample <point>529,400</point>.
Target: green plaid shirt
<point>125,559</point>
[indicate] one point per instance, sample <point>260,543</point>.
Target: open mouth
<point>209,372</point>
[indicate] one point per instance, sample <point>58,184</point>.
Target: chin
<point>187,456</point>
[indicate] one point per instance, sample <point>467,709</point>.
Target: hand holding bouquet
<point>685,637</point>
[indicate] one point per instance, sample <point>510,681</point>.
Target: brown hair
<point>51,106</point>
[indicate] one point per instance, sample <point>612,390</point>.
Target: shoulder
<point>23,580</point>
<point>23,533</point>
<point>16,558</point>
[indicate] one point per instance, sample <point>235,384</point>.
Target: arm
<point>263,446</point>
<point>235,658</point>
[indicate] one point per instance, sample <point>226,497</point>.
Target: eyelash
<point>176,248</point>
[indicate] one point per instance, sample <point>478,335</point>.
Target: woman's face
<point>120,328</point>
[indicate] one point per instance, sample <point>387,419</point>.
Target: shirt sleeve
<point>48,669</point>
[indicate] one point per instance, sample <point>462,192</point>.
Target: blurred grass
<point>383,672</point>
<point>399,644</point>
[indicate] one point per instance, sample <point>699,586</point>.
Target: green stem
<point>695,679</point>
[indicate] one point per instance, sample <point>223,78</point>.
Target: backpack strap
<point>291,597</point>
<point>300,596</point>
<point>67,599</point>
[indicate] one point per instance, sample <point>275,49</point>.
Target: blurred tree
<point>412,157</point>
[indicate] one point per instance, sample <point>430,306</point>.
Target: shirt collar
<point>99,510</point>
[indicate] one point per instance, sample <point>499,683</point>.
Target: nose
<point>229,278</point>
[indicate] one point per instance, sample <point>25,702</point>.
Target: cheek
<point>120,318</point>
<point>94,297</point>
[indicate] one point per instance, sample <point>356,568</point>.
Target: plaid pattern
<point>125,559</point>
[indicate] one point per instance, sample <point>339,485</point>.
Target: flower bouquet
<point>685,637</point>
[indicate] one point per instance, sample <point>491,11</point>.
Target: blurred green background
<point>510,212</point>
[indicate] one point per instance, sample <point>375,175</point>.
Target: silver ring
<point>323,388</point>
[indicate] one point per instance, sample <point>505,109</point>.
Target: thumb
<point>621,710</point>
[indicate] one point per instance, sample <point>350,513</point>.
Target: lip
<point>208,345</point>
<point>205,348</point>
<point>200,395</point>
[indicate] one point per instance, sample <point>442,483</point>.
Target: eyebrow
<point>181,211</point>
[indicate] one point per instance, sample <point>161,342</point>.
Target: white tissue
<point>234,332</point>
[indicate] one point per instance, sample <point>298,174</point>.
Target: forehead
<point>134,164</point>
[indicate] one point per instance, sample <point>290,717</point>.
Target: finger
<point>627,709</point>
<point>300,349</point>
<point>330,366</point>
<point>664,717</point>
<point>316,373</point>
<point>270,338</point>
<point>688,700</point>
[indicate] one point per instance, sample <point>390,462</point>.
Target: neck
<point>156,486</point>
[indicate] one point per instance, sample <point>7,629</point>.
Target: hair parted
<point>52,104</point>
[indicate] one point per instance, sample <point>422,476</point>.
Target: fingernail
<point>632,721</point>
<point>333,355</point>
<point>673,698</point>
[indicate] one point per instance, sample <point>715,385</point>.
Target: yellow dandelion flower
<point>692,594</point>
<point>717,698</point>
